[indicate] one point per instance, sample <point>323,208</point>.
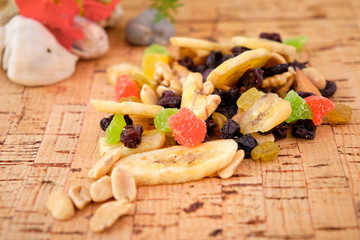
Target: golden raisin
<point>265,151</point>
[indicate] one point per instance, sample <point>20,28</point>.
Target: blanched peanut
<point>123,184</point>
<point>105,163</point>
<point>60,206</point>
<point>230,169</point>
<point>107,214</point>
<point>80,196</point>
<point>101,189</point>
<point>148,95</point>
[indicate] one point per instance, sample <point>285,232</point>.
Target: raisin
<point>207,138</point>
<point>265,151</point>
<point>305,94</point>
<point>206,73</point>
<point>304,129</point>
<point>271,36</point>
<point>128,120</point>
<point>277,69</point>
<point>210,125</point>
<point>329,89</point>
<point>186,62</point>
<point>200,68</point>
<point>105,122</point>
<point>246,143</point>
<point>168,99</point>
<point>131,136</point>
<point>252,78</point>
<point>227,111</point>
<point>280,131</point>
<point>222,94</point>
<point>239,50</point>
<point>230,130</point>
<point>226,57</point>
<point>214,59</point>
<point>228,97</point>
<point>300,65</point>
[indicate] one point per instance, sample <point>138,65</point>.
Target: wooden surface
<point>49,135</point>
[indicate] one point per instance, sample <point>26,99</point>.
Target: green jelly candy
<point>297,42</point>
<point>161,119</point>
<point>156,48</point>
<point>115,129</point>
<point>299,107</point>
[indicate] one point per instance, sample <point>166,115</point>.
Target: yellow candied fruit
<point>149,61</point>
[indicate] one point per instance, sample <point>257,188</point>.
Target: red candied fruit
<point>187,128</point>
<point>125,87</point>
<point>319,106</point>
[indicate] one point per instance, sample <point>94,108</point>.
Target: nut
<point>180,72</point>
<point>160,89</point>
<point>303,83</point>
<point>278,80</point>
<point>196,96</point>
<point>263,138</point>
<point>230,169</point>
<point>283,90</point>
<point>105,163</point>
<point>315,77</point>
<point>101,190</point>
<point>123,184</point>
<point>80,196</point>
<point>164,76</point>
<point>60,206</point>
<point>107,214</point>
<point>148,95</point>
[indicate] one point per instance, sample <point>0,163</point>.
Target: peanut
<point>101,189</point>
<point>60,206</point>
<point>148,95</point>
<point>80,196</point>
<point>123,184</point>
<point>230,169</point>
<point>105,163</point>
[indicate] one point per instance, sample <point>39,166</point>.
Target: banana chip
<point>127,108</point>
<point>228,73</point>
<point>288,52</point>
<point>179,164</point>
<point>195,43</point>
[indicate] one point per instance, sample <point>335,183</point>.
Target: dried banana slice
<point>266,113</point>
<point>179,164</point>
<point>150,140</point>
<point>228,73</point>
<point>127,108</point>
<point>288,52</point>
<point>195,43</point>
<point>196,96</point>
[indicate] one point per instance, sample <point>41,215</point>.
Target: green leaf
<point>156,48</point>
<point>297,42</point>
<point>165,9</point>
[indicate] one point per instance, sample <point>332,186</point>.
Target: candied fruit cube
<point>299,107</point>
<point>149,61</point>
<point>319,106</point>
<point>161,119</point>
<point>125,87</point>
<point>115,129</point>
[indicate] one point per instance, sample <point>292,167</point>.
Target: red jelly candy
<point>319,106</point>
<point>125,87</point>
<point>187,128</point>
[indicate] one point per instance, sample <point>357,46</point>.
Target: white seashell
<point>95,42</point>
<point>32,56</point>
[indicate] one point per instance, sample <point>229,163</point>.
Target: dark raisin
<point>186,62</point>
<point>246,143</point>
<point>304,129</point>
<point>253,77</point>
<point>169,99</point>
<point>228,97</point>
<point>227,111</point>
<point>271,36</point>
<point>131,136</point>
<point>239,50</point>
<point>223,95</point>
<point>210,125</point>
<point>277,69</point>
<point>128,120</point>
<point>105,122</point>
<point>230,130</point>
<point>207,138</point>
<point>305,94</point>
<point>329,90</point>
<point>206,73</point>
<point>214,59</point>
<point>200,68</point>
<point>227,57</point>
<point>300,65</point>
<point>280,131</point>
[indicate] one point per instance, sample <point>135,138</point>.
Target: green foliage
<point>166,9</point>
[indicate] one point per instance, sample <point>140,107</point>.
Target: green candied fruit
<point>297,42</point>
<point>247,99</point>
<point>115,129</point>
<point>299,107</point>
<point>265,151</point>
<point>161,119</point>
<point>156,48</point>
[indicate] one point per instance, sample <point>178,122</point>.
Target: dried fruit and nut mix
<point>200,114</point>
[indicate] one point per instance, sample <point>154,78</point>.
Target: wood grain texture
<point>49,137</point>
